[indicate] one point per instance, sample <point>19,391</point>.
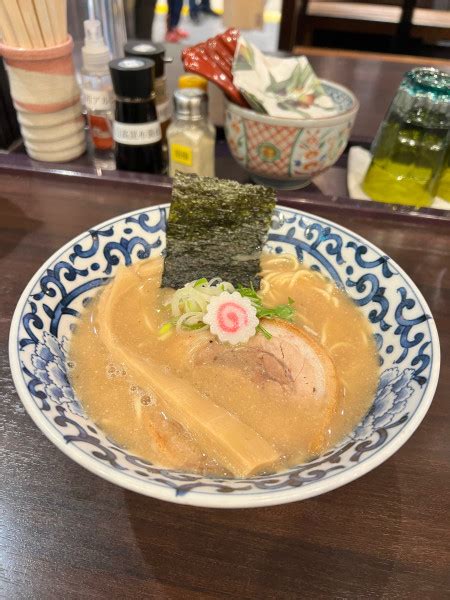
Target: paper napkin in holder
<point>279,87</point>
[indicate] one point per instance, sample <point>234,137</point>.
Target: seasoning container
<point>190,80</point>
<point>155,52</point>
<point>98,94</point>
<point>191,137</point>
<point>136,129</point>
<point>216,99</point>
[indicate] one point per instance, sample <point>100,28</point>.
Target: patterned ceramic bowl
<point>288,153</point>
<point>402,325</point>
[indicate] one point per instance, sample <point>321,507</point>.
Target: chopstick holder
<point>47,100</point>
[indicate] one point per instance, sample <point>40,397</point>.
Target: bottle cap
<point>191,104</point>
<point>151,50</point>
<point>133,77</point>
<point>192,81</point>
<point>95,52</point>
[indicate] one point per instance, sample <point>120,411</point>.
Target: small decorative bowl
<point>402,325</point>
<point>288,153</point>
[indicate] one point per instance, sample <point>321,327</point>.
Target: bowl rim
<point>248,113</point>
<point>212,499</point>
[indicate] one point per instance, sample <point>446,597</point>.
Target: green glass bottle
<point>410,146</point>
<point>443,189</point>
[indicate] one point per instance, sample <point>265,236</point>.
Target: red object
<point>213,59</point>
<point>182,33</point>
<point>230,321</point>
<point>172,37</point>
<point>101,132</point>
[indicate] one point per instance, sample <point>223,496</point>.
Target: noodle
<point>185,401</point>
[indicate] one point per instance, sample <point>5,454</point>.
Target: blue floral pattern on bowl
<point>404,331</point>
<point>339,96</point>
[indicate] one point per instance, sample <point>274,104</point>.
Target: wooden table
<point>67,534</point>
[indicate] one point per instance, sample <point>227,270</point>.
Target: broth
<point>110,380</point>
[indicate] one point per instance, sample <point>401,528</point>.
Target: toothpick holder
<point>46,96</point>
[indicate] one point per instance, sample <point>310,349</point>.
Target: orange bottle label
<point>101,132</point>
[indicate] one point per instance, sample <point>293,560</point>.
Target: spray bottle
<point>98,94</point>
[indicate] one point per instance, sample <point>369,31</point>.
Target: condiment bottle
<point>191,137</point>
<point>98,93</point>
<point>409,148</point>
<point>155,52</point>
<point>190,80</point>
<point>136,129</point>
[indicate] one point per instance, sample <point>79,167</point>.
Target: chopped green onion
<point>200,282</point>
<point>189,305</point>
<point>165,329</point>
<point>282,311</point>
<point>264,331</point>
<point>194,326</point>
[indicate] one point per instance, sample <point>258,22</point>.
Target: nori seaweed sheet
<point>216,228</point>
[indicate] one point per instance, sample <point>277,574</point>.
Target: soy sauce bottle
<point>136,129</point>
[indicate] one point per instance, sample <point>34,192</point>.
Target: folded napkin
<point>279,87</point>
<point>358,162</point>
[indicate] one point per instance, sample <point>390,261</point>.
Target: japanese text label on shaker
<point>156,52</point>
<point>98,95</point>
<point>191,137</point>
<point>409,148</point>
<point>136,129</point>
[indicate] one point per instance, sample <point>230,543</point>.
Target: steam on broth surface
<point>191,403</point>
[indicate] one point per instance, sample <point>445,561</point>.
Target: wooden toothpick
<point>15,18</point>
<point>44,22</point>
<point>31,23</point>
<point>9,37</point>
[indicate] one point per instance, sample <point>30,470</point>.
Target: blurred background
<point>206,26</point>
<point>415,27</point>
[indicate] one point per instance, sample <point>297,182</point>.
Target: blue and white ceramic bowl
<point>403,327</point>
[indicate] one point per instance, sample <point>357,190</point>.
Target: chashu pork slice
<point>292,362</point>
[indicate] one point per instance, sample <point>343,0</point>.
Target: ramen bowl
<point>288,153</point>
<point>403,328</point>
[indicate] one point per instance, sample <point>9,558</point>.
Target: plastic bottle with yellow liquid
<point>409,150</point>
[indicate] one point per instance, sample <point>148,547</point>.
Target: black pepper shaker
<point>155,52</point>
<point>136,129</point>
